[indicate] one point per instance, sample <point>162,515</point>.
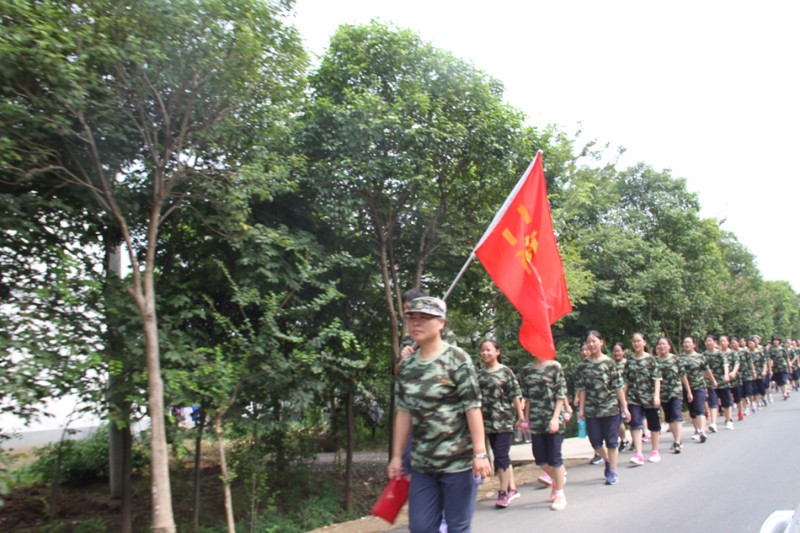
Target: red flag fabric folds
<point>520,253</point>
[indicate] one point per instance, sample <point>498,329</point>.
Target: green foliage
<point>81,461</point>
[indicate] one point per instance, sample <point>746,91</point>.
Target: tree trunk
<point>226,482</point>
<point>348,472</point>
<point>163,519</point>
<point>126,522</point>
<point>198,449</point>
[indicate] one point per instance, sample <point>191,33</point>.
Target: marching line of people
<point>447,410</point>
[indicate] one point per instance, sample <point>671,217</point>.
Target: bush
<point>82,460</point>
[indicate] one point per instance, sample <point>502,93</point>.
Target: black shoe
<point>596,460</point>
<point>676,448</point>
<point>622,445</point>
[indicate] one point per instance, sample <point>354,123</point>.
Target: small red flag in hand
<point>520,253</point>
<point>392,499</point>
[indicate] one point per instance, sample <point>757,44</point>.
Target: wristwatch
<point>481,456</point>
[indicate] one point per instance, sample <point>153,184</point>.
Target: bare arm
<point>480,467</point>
<point>402,429</point>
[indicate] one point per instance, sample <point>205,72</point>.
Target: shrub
<point>82,460</point>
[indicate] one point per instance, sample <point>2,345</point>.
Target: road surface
<point>732,483</point>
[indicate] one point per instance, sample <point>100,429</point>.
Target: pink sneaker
<point>513,494</point>
<point>545,479</point>
<point>502,500</point>
<point>654,456</point>
<point>637,459</point>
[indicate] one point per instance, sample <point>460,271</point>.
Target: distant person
<point>725,387</point>
<point>673,384</point>
<point>643,391</point>
<point>545,390</point>
<point>600,401</point>
<point>719,368</point>
<point>438,400</point>
<point>780,366</point>
<point>700,379</point>
<point>501,406</point>
<point>618,353</point>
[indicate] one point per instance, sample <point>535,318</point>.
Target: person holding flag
<point>439,400</point>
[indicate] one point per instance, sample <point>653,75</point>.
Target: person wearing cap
<point>438,401</point>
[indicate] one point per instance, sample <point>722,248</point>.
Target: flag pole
<point>458,277</point>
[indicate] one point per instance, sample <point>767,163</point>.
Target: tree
<point>146,106</point>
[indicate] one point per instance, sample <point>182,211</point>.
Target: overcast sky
<point>707,89</point>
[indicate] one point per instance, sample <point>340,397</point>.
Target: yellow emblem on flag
<point>528,251</point>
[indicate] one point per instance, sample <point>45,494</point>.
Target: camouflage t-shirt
<point>438,392</point>
<point>641,374</point>
<point>717,363</point>
<point>760,359</point>
<point>671,373</point>
<point>734,359</point>
<point>499,388</point>
<point>601,381</point>
<point>780,363</point>
<point>542,386</point>
<point>748,361</point>
<point>695,366</point>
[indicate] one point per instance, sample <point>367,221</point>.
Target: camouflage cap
<point>428,305</point>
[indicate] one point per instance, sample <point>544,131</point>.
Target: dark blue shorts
<point>724,396</point>
<point>547,448</point>
<point>602,429</point>
<point>501,445</point>
<point>750,388</point>
<point>638,415</point>
<point>697,407</point>
<point>737,392</point>
<point>672,410</point>
<point>781,378</point>
<point>711,397</point>
<point>762,385</point>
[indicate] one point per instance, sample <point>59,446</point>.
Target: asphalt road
<point>729,484</point>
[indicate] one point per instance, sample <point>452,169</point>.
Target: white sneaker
<point>559,504</point>
<point>712,428</point>
<point>696,435</point>
<point>728,425</point>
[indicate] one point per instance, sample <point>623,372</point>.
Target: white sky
<point>708,89</point>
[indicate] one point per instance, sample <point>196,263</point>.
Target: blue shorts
<point>605,428</point>
<point>737,393</point>
<point>781,378</point>
<point>711,397</point>
<point>750,388</point>
<point>638,415</point>
<point>724,396</point>
<point>547,448</point>
<point>672,410</point>
<point>697,407</point>
<point>762,385</point>
<point>501,445</point>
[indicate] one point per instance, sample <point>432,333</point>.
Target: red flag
<point>520,253</point>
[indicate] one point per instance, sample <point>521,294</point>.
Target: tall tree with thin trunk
<point>147,107</point>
